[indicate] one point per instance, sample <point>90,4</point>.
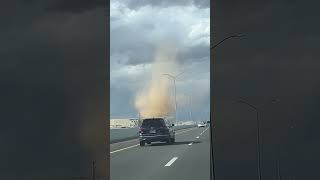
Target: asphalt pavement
<point>186,159</point>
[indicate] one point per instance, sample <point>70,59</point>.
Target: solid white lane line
<point>124,148</point>
<point>190,144</point>
<point>171,161</point>
<point>139,144</point>
<point>202,133</point>
<point>184,131</point>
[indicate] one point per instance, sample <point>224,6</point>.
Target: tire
<point>142,143</point>
<point>148,142</point>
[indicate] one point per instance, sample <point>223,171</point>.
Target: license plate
<point>152,131</point>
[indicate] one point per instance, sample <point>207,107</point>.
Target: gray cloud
<point>136,4</point>
<point>137,29</point>
<point>193,54</point>
<point>119,98</point>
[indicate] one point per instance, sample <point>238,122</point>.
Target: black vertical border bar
<point>107,96</point>
<point>212,124</point>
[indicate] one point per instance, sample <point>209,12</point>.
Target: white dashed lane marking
<point>171,161</point>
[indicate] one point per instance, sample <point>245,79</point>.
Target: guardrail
<point>123,134</point>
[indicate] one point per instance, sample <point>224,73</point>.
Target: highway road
<point>186,159</point>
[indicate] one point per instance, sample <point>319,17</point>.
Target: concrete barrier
<point>184,127</point>
<point>118,135</point>
<point>123,134</point>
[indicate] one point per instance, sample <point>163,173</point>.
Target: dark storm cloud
<point>277,58</point>
<point>135,48</point>
<point>52,73</point>
<point>144,53</point>
<point>135,4</point>
<point>138,38</point>
<point>193,54</point>
<point>136,35</point>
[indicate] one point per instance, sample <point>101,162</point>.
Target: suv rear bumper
<point>154,138</point>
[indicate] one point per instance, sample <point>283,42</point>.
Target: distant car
<point>201,124</point>
<point>156,130</point>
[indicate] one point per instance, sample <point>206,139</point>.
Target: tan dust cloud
<point>156,98</point>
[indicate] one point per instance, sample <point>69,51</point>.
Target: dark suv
<point>156,129</point>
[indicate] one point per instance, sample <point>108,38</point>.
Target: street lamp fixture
<point>229,37</point>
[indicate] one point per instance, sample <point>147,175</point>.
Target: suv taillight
<point>141,130</point>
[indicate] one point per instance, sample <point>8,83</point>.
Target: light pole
<point>212,126</point>
<point>278,162</point>
<point>175,90</point>
<point>258,130</point>
<point>190,105</point>
<point>229,37</point>
<point>258,134</point>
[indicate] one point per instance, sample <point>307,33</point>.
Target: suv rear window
<point>156,122</point>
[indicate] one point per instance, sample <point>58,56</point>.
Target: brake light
<point>141,130</point>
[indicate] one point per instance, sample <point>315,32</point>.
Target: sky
<point>137,29</point>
